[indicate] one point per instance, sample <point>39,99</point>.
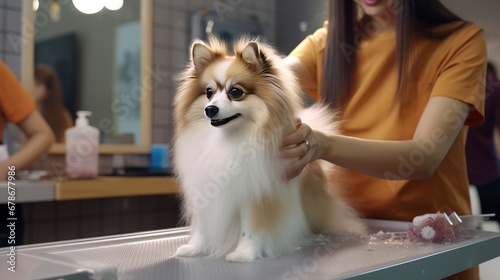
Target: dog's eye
<point>236,93</point>
<point>209,92</point>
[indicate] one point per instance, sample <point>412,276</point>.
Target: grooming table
<point>149,255</point>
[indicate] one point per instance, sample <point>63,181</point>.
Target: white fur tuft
<point>320,117</point>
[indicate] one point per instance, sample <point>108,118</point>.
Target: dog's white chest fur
<point>223,180</point>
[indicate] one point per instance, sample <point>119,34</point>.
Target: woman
<point>408,79</point>
<point>47,94</point>
<point>16,106</point>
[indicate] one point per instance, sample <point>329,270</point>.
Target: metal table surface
<point>28,191</point>
<point>149,255</point>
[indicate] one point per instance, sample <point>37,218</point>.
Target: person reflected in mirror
<point>483,164</point>
<point>17,107</point>
<point>48,96</point>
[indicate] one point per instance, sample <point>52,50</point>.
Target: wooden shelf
<point>107,187</point>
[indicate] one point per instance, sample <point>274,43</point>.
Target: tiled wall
<point>10,30</point>
<point>171,43</point>
<point>64,220</point>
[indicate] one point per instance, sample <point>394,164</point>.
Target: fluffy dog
<point>231,112</point>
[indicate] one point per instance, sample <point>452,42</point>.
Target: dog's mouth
<point>219,122</point>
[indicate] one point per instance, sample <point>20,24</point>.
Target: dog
<point>231,111</point>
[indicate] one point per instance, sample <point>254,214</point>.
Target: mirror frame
<point>27,79</point>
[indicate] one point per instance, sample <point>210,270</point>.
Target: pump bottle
<point>82,144</point>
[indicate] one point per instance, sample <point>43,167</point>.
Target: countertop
<point>27,191</point>
<point>101,187</point>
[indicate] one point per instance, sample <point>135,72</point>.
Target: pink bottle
<point>82,149</point>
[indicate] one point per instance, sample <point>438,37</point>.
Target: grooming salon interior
<point>133,145</point>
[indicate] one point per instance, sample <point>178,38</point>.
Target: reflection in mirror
<point>47,94</point>
<point>97,58</point>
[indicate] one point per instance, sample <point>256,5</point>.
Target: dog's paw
<point>241,256</point>
<point>188,250</point>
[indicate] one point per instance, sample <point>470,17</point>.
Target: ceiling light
<point>114,5</point>
<point>89,6</point>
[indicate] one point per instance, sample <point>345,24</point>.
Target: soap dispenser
<point>82,144</point>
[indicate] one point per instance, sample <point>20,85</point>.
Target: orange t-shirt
<point>453,66</point>
<point>15,103</point>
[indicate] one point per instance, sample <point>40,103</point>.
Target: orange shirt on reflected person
<point>15,102</point>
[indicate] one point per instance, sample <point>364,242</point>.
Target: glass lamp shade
<point>89,6</point>
<point>114,5</point>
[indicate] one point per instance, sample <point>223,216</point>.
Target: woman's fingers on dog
<point>295,168</point>
<point>296,137</point>
<point>292,139</point>
<point>298,122</point>
<point>296,151</point>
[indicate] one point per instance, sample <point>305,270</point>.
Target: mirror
<point>102,61</point>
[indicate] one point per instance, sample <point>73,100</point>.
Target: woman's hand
<point>302,146</point>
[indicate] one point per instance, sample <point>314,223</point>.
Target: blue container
<point>159,158</point>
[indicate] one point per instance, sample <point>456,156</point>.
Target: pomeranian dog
<point>231,112</point>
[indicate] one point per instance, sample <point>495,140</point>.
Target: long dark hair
<point>410,16</point>
<point>51,107</point>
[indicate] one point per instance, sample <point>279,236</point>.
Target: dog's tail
<point>320,117</point>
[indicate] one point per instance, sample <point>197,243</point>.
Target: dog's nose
<point>211,111</point>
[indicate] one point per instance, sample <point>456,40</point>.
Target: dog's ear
<point>251,54</point>
<point>201,55</point>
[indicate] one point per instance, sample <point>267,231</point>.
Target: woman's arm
<point>39,138</point>
<point>441,122</point>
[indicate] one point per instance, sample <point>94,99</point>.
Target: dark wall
<point>289,16</point>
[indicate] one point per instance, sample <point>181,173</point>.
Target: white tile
<point>170,132</point>
<point>198,4</point>
<point>161,56</point>
<point>170,96</point>
<point>160,114</point>
<point>159,135</point>
<point>179,59</point>
<point>2,15</point>
<point>14,3</point>
<point>161,76</point>
<point>161,15</point>
<point>161,3</point>
<point>161,36</point>
<point>14,64</point>
<point>12,43</point>
<point>179,39</point>
<point>3,40</point>
<point>180,4</point>
<point>161,97</point>
<point>179,20</point>
<point>13,21</point>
